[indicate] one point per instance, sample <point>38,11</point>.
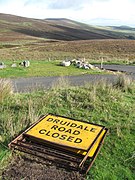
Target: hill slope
<point>20,28</point>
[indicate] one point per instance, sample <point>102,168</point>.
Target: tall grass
<point>6,89</point>
<point>125,83</point>
<point>61,83</point>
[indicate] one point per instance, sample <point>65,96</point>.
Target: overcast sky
<point>94,12</point>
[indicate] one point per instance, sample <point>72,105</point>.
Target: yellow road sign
<point>67,132</point>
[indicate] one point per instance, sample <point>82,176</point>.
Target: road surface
<point>123,68</point>
<point>33,83</point>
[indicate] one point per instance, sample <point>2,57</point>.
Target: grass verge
<point>43,68</point>
<point>102,103</point>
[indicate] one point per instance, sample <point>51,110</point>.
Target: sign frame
<point>55,152</point>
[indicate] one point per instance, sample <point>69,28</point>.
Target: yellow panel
<point>66,132</point>
<point>94,147</point>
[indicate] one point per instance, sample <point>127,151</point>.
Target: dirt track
<point>31,168</point>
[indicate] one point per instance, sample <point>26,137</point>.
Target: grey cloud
<point>66,4</point>
<point>70,4</point>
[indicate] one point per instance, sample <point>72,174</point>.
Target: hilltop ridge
<point>15,27</point>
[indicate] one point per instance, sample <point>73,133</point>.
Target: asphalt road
<point>33,83</point>
<point>123,68</point>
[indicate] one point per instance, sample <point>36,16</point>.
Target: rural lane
<point>128,69</point>
<point>34,83</point>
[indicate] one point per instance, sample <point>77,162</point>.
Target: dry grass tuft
<point>6,89</point>
<point>124,83</point>
<point>61,83</point>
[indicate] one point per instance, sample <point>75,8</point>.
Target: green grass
<point>112,106</point>
<point>42,68</point>
<point>5,156</point>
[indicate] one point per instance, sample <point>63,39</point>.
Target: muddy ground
<point>31,168</point>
